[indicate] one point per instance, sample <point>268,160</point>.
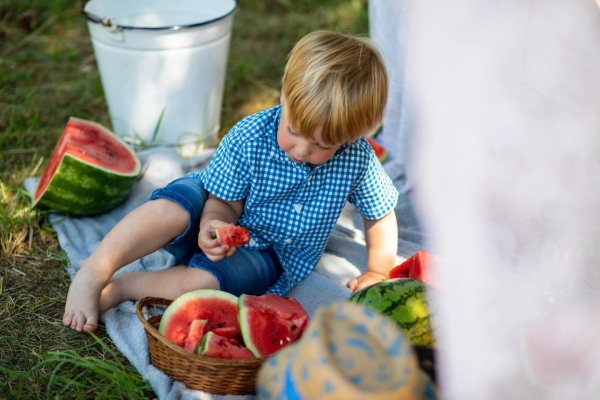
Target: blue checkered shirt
<point>288,205</point>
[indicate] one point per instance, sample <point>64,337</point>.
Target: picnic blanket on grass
<point>344,259</point>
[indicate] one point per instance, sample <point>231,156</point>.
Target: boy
<point>284,173</point>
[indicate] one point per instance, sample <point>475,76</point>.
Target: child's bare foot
<point>81,308</point>
<point>112,294</point>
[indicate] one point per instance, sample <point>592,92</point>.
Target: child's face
<point>310,151</point>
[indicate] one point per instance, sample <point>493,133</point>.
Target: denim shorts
<point>246,271</point>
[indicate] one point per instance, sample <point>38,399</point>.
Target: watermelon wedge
<point>270,322</point>
<point>90,171</point>
<point>399,271</point>
<point>419,266</point>
<point>381,153</point>
<point>229,332</point>
<point>232,235</point>
<point>198,329</point>
<point>218,308</point>
<point>213,345</point>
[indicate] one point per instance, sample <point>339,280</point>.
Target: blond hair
<point>336,80</point>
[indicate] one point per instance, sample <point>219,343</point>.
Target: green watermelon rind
<point>80,188</point>
<point>245,327</point>
<point>389,298</point>
<point>203,344</point>
<point>195,294</point>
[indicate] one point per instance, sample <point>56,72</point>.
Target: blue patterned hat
<point>348,352</point>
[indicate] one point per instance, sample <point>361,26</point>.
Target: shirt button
<point>309,178</point>
<point>298,207</point>
<point>252,242</point>
<point>288,241</point>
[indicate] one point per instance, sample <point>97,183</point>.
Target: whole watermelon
<point>405,301</point>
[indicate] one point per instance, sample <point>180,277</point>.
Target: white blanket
<point>344,258</point>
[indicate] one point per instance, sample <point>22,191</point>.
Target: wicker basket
<point>214,375</point>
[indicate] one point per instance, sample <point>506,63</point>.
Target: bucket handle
<point>104,21</point>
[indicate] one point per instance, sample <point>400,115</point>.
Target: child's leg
<point>168,283</point>
<point>141,232</point>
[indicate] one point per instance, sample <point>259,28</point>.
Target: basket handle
<point>156,301</point>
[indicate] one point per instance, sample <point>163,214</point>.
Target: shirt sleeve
<point>228,175</point>
<point>374,195</point>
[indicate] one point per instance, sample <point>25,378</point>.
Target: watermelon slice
<point>270,322</point>
<point>198,329</point>
<point>232,235</point>
<point>213,345</point>
<point>218,308</point>
<point>90,171</point>
<point>229,332</point>
<point>399,271</point>
<point>422,267</point>
<point>418,266</point>
<point>381,153</point>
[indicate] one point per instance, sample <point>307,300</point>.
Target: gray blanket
<point>344,258</point>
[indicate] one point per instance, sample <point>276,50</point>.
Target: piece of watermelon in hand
<point>232,235</point>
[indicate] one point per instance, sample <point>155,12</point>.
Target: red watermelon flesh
<point>198,329</point>
<point>232,235</point>
<point>218,308</point>
<point>270,322</point>
<point>217,346</point>
<point>422,267</point>
<point>399,271</point>
<point>381,153</point>
<point>419,266</point>
<point>229,332</point>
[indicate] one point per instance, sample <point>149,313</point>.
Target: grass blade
<point>158,125</point>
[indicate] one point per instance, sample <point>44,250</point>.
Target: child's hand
<point>367,279</point>
<point>209,244</point>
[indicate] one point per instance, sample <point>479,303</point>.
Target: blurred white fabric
<point>505,109</point>
<point>389,28</point>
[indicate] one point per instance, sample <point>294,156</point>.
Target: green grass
<point>70,373</point>
<point>47,73</point>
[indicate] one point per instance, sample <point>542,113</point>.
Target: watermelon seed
<point>288,339</point>
<point>281,342</point>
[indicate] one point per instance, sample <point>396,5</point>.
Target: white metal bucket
<point>162,63</point>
